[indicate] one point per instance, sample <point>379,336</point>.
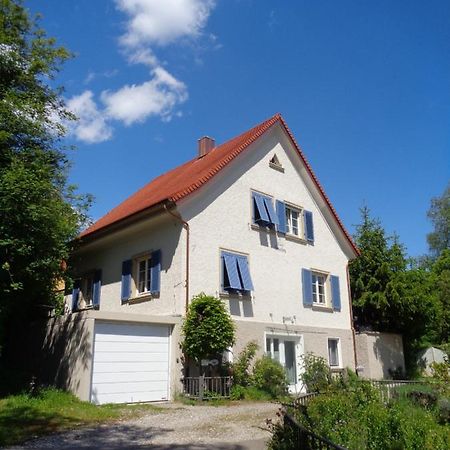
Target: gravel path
<point>235,427</point>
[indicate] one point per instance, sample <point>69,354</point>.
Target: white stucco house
<point>246,221</point>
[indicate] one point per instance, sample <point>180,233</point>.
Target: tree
<point>375,283</point>
<point>208,328</point>
<point>439,214</point>
<point>40,212</point>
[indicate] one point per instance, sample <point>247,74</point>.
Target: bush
<point>316,376</point>
<point>270,377</point>
<point>443,410</point>
<point>241,368</point>
<point>248,393</point>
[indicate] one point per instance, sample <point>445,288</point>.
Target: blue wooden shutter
<point>272,216</point>
<point>307,287</point>
<point>232,271</point>
<point>155,272</point>
<point>335,293</point>
<point>126,279</point>
<point>309,228</point>
<point>245,273</point>
<point>281,213</point>
<point>96,288</point>
<point>75,294</point>
<point>260,213</point>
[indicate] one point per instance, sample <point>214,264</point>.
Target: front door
<point>287,350</point>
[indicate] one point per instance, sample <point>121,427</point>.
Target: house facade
<point>246,221</point>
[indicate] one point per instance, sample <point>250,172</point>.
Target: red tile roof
<point>190,176</point>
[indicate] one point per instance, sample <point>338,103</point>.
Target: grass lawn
<point>23,417</point>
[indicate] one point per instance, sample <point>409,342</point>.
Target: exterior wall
<point>67,354</point>
<point>220,216</point>
<point>315,338</point>
<point>379,353</point>
<point>108,253</point>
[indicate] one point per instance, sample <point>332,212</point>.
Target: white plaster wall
<point>219,216</point>
<point>108,253</point>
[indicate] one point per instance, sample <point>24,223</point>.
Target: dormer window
<point>274,163</point>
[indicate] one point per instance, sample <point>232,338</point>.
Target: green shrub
<point>316,375</point>
<point>270,377</point>
<point>248,393</point>
<point>241,367</point>
<point>443,410</point>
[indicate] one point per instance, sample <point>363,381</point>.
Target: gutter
<point>186,227</point>
<point>351,319</point>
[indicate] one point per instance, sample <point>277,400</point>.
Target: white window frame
<point>300,225</point>
<point>338,350</point>
<point>316,295</point>
<point>147,277</point>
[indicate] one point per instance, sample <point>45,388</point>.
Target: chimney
<point>205,145</point>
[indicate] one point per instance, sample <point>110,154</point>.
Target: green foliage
<point>356,418</point>
<point>208,328</point>
<point>270,376</point>
<point>252,393</point>
<point>41,213</point>
<point>23,416</point>
<point>316,375</point>
<point>439,214</point>
<point>241,367</point>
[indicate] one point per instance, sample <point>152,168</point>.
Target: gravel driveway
<point>176,426</point>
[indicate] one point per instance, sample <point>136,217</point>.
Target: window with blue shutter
<point>96,288</point>
<point>155,272</point>
<point>335,293</point>
<point>263,211</point>
<point>236,273</point>
<point>281,213</point>
<point>126,280</point>
<point>75,294</point>
<point>307,287</point>
<point>309,227</point>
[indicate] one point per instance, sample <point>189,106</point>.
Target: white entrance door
<point>287,350</point>
<point>130,363</point>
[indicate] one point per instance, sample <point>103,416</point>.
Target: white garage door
<point>131,363</point>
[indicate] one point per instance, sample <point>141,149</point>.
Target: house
<point>247,221</point>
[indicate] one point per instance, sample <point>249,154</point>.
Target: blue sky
<point>363,85</point>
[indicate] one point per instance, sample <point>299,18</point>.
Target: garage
<point>130,363</point>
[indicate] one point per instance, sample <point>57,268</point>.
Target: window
<point>263,210</point>
<point>273,348</point>
<point>333,352</point>
<point>141,276</point>
<point>235,273</point>
<point>294,222</point>
<point>274,163</point>
<point>321,289</point>
<point>318,288</point>
<point>86,291</point>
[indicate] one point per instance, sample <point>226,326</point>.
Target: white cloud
<point>163,21</point>
<point>91,126</point>
<point>156,97</point>
<point>150,23</point>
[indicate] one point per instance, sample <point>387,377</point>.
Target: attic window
<point>275,164</point>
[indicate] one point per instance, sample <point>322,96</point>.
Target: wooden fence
<point>204,388</point>
<point>388,388</point>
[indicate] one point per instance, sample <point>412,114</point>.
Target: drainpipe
<point>186,227</point>
<point>351,319</point>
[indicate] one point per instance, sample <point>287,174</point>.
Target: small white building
<point>246,221</point>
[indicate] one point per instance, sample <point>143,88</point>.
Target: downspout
<point>351,318</point>
<point>186,227</point>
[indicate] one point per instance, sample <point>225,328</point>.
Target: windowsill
<point>294,238</point>
<point>141,299</point>
<point>236,295</point>
<point>324,308</point>
<point>276,167</point>
<point>256,227</point>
